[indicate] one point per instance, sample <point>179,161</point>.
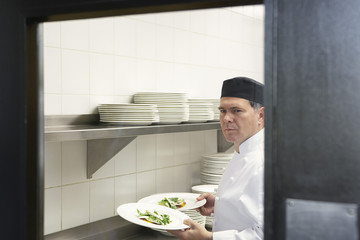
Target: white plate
<point>132,110</point>
<point>129,123</point>
<point>205,188</point>
<point>226,156</point>
<point>190,199</point>
<point>195,121</point>
<point>124,118</point>
<point>161,93</point>
<point>169,122</point>
<point>128,211</point>
<point>126,105</point>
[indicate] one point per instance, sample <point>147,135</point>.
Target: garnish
<point>173,203</point>
<point>154,217</point>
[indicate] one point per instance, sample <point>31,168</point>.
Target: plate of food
<point>153,216</point>
<point>177,201</point>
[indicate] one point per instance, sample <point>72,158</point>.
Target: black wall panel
<point>12,118</point>
<point>313,65</point>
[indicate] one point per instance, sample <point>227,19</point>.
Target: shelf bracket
<point>100,151</point>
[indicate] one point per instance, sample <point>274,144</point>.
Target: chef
<point>238,206</point>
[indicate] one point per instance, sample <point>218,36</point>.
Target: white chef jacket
<point>239,202</point>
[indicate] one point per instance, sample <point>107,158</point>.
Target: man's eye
<point>236,110</point>
<point>222,110</point>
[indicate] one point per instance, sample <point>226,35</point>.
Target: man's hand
<point>208,208</point>
<point>195,232</point>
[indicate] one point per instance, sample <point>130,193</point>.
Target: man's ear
<point>261,115</point>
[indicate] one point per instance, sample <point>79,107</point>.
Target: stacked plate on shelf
<point>200,110</point>
<point>173,107</point>
<point>213,167</point>
<point>128,113</point>
<point>216,104</point>
<point>173,113</point>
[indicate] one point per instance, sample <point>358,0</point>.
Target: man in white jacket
<point>238,206</point>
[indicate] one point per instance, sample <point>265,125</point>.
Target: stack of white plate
<point>128,113</point>
<point>200,110</point>
<point>173,107</point>
<point>196,216</point>
<point>213,167</point>
<point>211,188</point>
<point>173,113</point>
<point>215,105</point>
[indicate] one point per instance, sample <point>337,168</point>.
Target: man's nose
<point>228,117</point>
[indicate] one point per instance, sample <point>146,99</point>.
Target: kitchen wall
<point>106,60</point>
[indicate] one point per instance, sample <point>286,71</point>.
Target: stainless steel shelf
<point>101,131</point>
<point>104,141</point>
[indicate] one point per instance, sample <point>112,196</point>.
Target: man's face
<point>239,121</point>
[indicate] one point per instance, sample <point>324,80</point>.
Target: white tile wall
<point>75,205</point>
<point>145,184</point>
<point>52,164</point>
<point>125,160</point>
<point>102,199</point>
<point>165,180</point>
<point>197,146</point>
<point>177,51</point>
<point>102,81</point>
<point>52,34</point>
<point>52,104</point>
<point>101,35</point>
<point>182,177</point>
<point>107,60</point>
<point>146,153</point>
<point>125,189</point>
<point>75,72</point>
<point>74,162</point>
<point>75,104</point>
<point>73,35</point>
<point>181,148</point>
<point>52,70</point>
<point>52,209</point>
<point>124,71</point>
<point>164,150</point>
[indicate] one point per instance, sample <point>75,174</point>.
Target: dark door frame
<point>30,14</point>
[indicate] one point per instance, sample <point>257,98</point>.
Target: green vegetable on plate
<point>173,203</point>
<point>154,217</point>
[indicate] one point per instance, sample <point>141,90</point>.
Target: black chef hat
<point>243,87</point>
